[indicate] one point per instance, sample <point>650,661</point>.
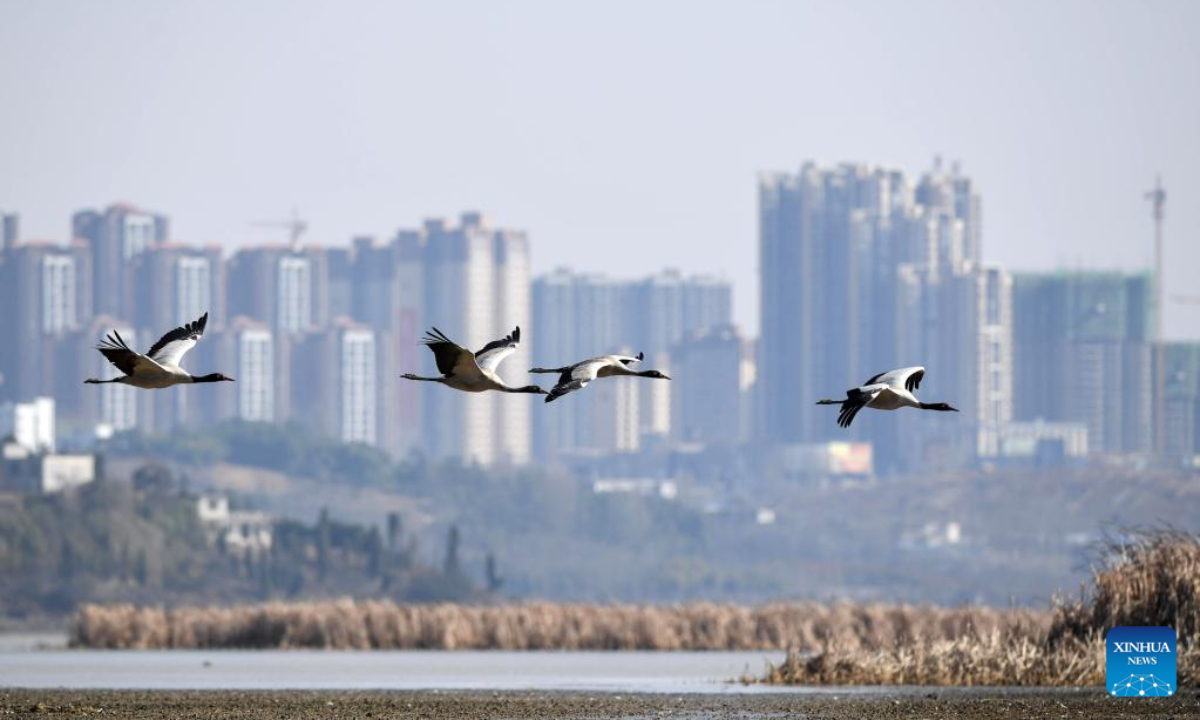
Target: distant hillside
<point>994,535</point>
<point>142,541</point>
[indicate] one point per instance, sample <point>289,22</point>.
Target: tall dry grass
<point>995,659</point>
<point>992,660</point>
<point>1146,578</point>
<point>370,624</point>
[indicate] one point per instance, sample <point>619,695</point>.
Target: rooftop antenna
<point>1158,198</point>
<point>295,227</point>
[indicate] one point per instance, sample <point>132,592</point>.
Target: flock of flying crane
<point>466,371</point>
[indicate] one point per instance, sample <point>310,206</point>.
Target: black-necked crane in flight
<point>472,372</point>
<point>577,376</point>
<point>159,368</point>
<point>886,391</point>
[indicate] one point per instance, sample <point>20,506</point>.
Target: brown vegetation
<point>1150,578</point>
<point>994,659</point>
<point>349,624</point>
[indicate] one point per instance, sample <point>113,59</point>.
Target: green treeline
<point>142,541</point>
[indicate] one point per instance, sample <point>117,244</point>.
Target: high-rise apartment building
<point>856,266</point>
<point>1082,345</point>
<point>116,236</point>
<point>373,290</point>
<point>514,441</point>
<point>965,334</point>
<point>45,293</point>
<point>245,349</point>
<point>707,387</point>
<point>402,410</point>
<point>611,417</point>
<point>184,281</point>
<point>1181,391</point>
<point>576,316</point>
<point>284,287</point>
<point>583,315</point>
<point>475,287</point>
<point>342,279</point>
<point>334,381</point>
<point>663,309</point>
<point>10,230</point>
<point>254,362</point>
<point>952,196</point>
<point>810,287</point>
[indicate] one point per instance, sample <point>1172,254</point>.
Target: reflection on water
<point>11,642</point>
<point>708,672</point>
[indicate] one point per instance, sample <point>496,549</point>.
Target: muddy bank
<point>925,703</point>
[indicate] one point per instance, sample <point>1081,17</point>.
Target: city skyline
<point>238,121</point>
<point>864,268</point>
<point>316,335</point>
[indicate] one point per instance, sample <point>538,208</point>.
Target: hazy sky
<point>623,136</point>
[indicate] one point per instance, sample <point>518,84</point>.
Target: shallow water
<point>660,672</point>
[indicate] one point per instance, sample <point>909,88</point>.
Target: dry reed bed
<point>376,624</point>
<point>1152,578</point>
<point>990,661</point>
<point>1149,578</point>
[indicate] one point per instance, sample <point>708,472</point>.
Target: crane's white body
<point>581,373</point>
<point>151,375</point>
<point>886,397</point>
<point>891,390</point>
<point>473,379</point>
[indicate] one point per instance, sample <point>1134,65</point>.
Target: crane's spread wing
<point>908,378</point>
<point>452,359</point>
<point>114,348</point>
<point>627,361</point>
<point>490,357</point>
<point>577,377</point>
<point>856,399</point>
<point>583,372</point>
<point>170,348</point>
<point>616,363</point>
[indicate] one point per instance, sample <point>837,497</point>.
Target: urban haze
<point>772,205</point>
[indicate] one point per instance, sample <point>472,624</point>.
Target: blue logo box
<point>1140,661</point>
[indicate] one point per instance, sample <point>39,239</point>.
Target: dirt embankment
<point>301,705</point>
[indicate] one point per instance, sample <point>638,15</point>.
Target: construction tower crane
<point>295,227</point>
<point>1158,197</point>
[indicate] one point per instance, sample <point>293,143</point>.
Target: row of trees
<point>142,541</point>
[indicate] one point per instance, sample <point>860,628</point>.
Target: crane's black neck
<point>940,406</point>
<point>211,377</point>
